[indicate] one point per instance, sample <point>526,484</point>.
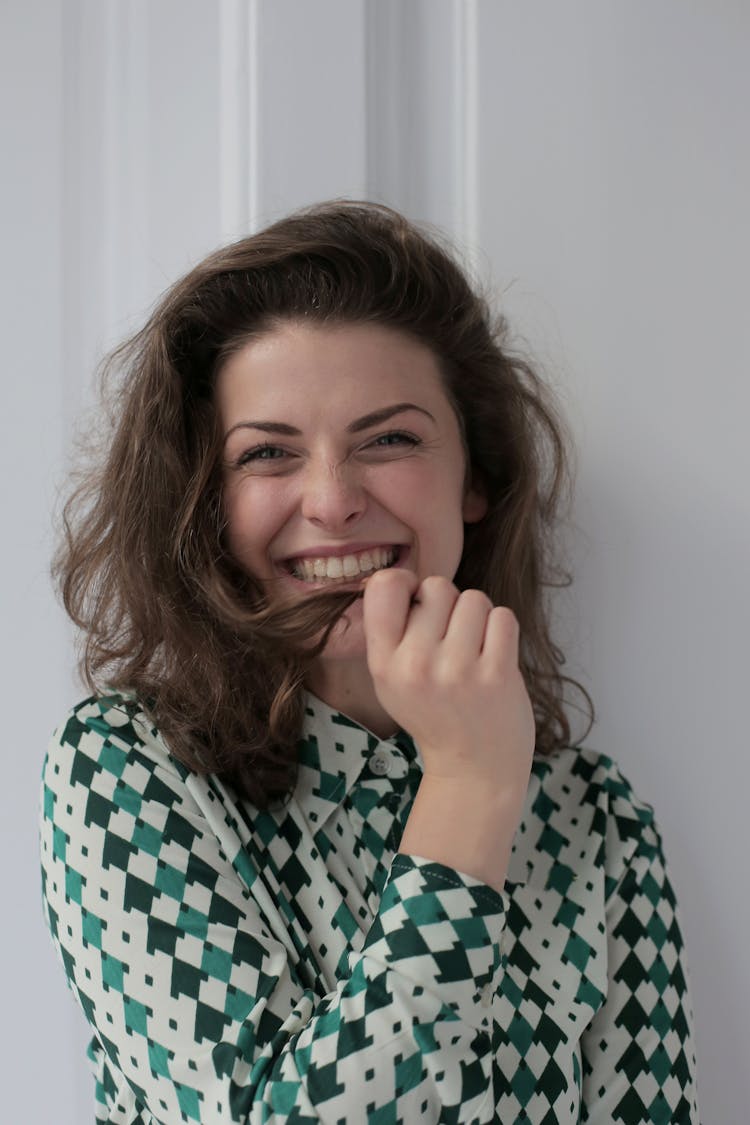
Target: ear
<point>475,503</point>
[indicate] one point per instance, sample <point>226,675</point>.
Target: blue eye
<point>261,453</point>
<point>395,437</point>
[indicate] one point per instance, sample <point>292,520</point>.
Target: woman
<point>318,848</point>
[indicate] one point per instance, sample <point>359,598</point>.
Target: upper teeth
<point>343,566</point>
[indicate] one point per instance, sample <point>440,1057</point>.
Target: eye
<point>394,438</point>
<point>260,454</point>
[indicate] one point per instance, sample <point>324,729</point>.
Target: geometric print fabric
<point>291,965</point>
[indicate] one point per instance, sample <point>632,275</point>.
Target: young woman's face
<point>342,454</point>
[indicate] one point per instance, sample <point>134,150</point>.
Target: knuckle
<point>476,599</point>
<point>506,618</point>
<point>436,584</point>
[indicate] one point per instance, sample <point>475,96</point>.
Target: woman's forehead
<point>303,368</point>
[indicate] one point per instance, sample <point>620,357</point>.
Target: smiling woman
<point>343,493</point>
<point>320,847</point>
<point>221,665</point>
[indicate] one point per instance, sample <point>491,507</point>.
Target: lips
<point>333,568</point>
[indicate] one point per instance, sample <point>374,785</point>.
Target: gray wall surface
<point>591,161</point>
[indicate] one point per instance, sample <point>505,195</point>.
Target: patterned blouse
<point>292,966</point>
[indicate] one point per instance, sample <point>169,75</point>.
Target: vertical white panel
<point>311,103</point>
<point>106,227</point>
<point>238,116</point>
<point>391,37</point>
<point>183,153</point>
<point>43,1066</point>
<point>421,92</point>
<point>142,177</point>
<point>124,150</point>
<point>465,155</point>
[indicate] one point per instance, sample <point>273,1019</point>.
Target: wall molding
<point>239,116</point>
<point>123,147</point>
<point>422,111</point>
<point>466,125</point>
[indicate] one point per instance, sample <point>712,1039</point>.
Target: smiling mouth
<point>342,568</point>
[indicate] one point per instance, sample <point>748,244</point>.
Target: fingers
<point>501,638</point>
<point>467,626</point>
<point>386,604</point>
<point>445,667</point>
<point>399,608</point>
<point>432,620</point>
<point>432,612</point>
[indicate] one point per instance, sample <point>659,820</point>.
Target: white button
<point>380,764</point>
<point>486,995</point>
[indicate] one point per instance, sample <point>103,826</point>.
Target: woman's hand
<point>445,667</point>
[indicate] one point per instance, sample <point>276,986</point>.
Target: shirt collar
<point>333,751</point>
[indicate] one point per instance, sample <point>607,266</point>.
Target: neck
<point>346,685</point>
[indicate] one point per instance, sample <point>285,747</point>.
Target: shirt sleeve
<point>638,1053</point>
<point>198,1010</point>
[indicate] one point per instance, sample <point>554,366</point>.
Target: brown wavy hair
<point>167,616</point>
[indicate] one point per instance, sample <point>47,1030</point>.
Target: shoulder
<point>589,779</point>
<point>111,788</point>
<point>119,813</point>
<point>109,744</point>
<point>583,812</point>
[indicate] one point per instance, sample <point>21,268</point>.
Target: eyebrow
<point>374,418</point>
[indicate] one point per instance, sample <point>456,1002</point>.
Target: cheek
<point>417,487</point>
<point>247,517</point>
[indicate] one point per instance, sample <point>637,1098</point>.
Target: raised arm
<point>445,666</point>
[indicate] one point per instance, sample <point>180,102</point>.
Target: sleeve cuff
<point>442,930</point>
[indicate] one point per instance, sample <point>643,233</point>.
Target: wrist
<point>465,823</point>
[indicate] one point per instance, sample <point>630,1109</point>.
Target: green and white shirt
<point>292,966</point>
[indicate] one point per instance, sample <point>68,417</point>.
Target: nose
<point>333,496</point>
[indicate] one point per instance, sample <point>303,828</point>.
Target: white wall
<point>592,159</point>
<point>40,1023</point>
<point>614,179</point>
